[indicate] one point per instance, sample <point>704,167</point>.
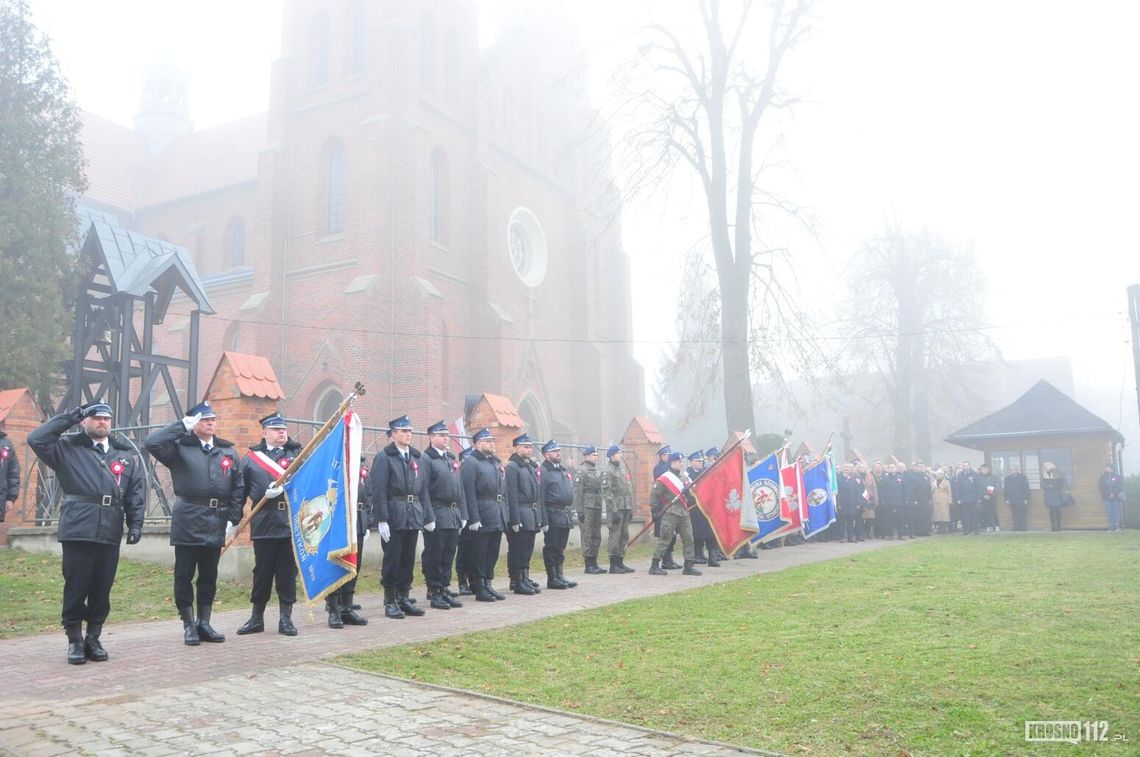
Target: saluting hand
<point>190,421</point>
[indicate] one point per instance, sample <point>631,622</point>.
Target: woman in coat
<point>943,496</point>
<point>1053,487</point>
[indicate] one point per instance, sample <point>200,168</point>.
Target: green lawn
<point>31,590</point>
<point>942,646</point>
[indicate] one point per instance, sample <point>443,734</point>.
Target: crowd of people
<point>464,505</point>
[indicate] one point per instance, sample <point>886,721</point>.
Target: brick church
<point>432,218</point>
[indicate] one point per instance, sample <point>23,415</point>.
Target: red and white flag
<point>722,495</point>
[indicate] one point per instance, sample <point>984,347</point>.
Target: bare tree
<point>914,318</point>
<point>700,103</point>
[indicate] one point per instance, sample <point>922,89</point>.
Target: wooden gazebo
<point>1046,425</point>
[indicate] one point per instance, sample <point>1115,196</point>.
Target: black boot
<point>206,632</point>
<point>465,587</point>
<point>481,593</point>
<point>75,651</point>
<point>750,553</point>
<point>689,569</point>
<point>655,568</point>
<point>553,581</point>
<point>491,590</point>
<point>592,566</point>
<point>533,584</point>
<point>391,606</point>
<point>332,605</point>
<point>519,584</point>
<point>450,597</point>
<point>625,568</point>
<point>668,563</point>
<point>408,606</point>
<point>92,649</point>
<point>438,602</point>
<point>615,565</point>
<point>256,622</point>
<point>189,627</point>
<point>713,562</point>
<point>348,615</point>
<point>285,625</point>
<point>562,576</point>
<point>699,553</point>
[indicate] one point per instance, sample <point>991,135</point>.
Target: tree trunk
<point>738,410</point>
<point>921,406</point>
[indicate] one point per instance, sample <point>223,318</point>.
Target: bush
<point>1132,501</point>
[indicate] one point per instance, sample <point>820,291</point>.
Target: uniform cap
<point>612,450</point>
<point>550,446</point>
<point>98,410</point>
<point>203,408</point>
<point>273,420</point>
<point>521,439</point>
<point>439,427</point>
<point>591,450</point>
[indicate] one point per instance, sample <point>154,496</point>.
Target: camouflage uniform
<point>588,503</point>
<point>674,520</point>
<point>617,499</point>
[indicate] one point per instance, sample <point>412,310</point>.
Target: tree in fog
<point>700,93</point>
<point>914,316</point>
<point>41,171</point>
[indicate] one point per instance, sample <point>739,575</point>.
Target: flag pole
<point>724,454</point>
<point>306,451</point>
<point>823,452</point>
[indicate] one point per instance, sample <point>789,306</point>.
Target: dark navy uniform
<point>9,474</point>
<point>557,497</point>
<point>466,542</point>
<point>209,490</point>
<point>526,518</point>
<point>484,486</point>
<point>443,493</point>
<point>396,480</point>
<point>272,536</point>
<point>102,486</point>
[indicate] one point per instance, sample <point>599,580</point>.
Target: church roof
<point>1044,410</point>
<point>117,158</point>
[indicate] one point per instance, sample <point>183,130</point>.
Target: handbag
<point>1067,499</point>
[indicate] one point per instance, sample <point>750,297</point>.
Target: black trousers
<point>970,517</point>
<point>1019,519</point>
<point>852,525</point>
<point>990,514</point>
<point>1054,519</point>
<point>885,521</point>
<point>399,560</point>
<point>904,520</point>
<point>464,551</point>
<point>554,546</point>
<point>485,553</point>
<point>88,574</point>
<point>187,561</point>
<point>273,564</point>
<point>438,554</point>
<point>520,548</point>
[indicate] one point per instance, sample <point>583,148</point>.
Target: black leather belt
<point>282,506</point>
<point>211,503</point>
<point>559,508</point>
<point>411,498</point>
<point>106,500</point>
<point>498,497</point>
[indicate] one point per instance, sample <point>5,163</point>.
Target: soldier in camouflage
<point>668,500</point>
<point>588,505</point>
<point>617,500</point>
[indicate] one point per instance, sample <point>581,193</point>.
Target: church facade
<point>430,218</point>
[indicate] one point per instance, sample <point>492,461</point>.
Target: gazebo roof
<point>1042,411</point>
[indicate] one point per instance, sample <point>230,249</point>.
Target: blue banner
<point>766,489</point>
<point>820,497</point>
<point>322,511</point>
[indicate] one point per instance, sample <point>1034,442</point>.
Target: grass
<point>943,646</point>
<point>31,590</point>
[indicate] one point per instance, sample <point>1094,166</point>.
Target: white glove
<point>475,526</point>
<point>231,529</point>
<point>545,529</point>
<point>385,532</point>
<point>462,525</point>
<point>515,528</point>
<point>190,421</point>
<point>274,491</point>
<point>429,527</point>
<point>365,539</point>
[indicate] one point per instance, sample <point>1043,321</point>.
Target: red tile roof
<point>255,376</point>
<point>8,400</point>
<point>649,428</point>
<point>746,445</point>
<point>117,158</point>
<point>504,411</point>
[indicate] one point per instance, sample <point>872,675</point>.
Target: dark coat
<point>397,490</point>
<point>86,477</point>
<point>701,527</point>
<point>849,497</point>
<point>917,491</point>
<point>890,490</point>
<point>443,490</point>
<point>363,504</point>
<point>485,488</point>
<point>1111,487</point>
<point>523,494</point>
<point>557,495</point>
<point>9,470</point>
<point>199,477</point>
<point>966,488</point>
<point>1016,489</point>
<point>985,481</point>
<point>1054,491</point>
<point>272,520</point>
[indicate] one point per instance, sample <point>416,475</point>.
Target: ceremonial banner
<point>766,490</point>
<point>721,495</point>
<point>322,496</point>
<point>792,507</point>
<point>819,496</point>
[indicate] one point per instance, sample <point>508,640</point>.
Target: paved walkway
<point>227,695</point>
